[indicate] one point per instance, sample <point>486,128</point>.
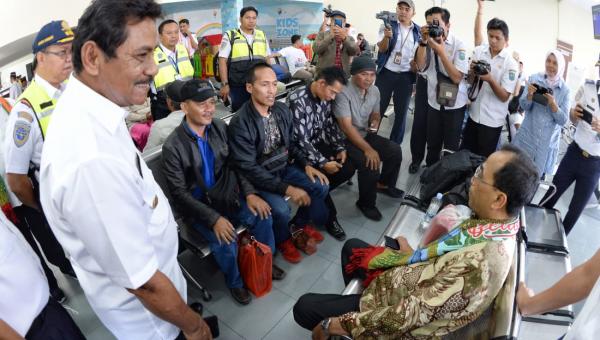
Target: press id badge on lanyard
<point>398,55</point>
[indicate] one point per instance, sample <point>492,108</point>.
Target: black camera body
<point>481,67</point>
<point>328,12</point>
<point>435,31</point>
<point>538,95</point>
<point>387,18</point>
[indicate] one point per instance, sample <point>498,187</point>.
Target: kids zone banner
<point>281,21</point>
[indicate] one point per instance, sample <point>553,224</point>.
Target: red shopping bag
<point>255,263</point>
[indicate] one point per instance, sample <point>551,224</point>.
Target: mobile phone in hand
<point>213,323</point>
<point>587,116</point>
<point>338,22</point>
<point>391,243</point>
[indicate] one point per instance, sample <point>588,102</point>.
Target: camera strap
<point>475,89</point>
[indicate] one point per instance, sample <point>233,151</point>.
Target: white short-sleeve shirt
<point>585,137</point>
<point>404,50</point>
<point>457,53</point>
<point>23,285</point>
<point>587,323</point>
<point>23,140</point>
<point>108,212</point>
<point>295,58</point>
<point>488,109</point>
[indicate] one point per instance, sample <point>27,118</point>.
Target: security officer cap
<point>53,33</point>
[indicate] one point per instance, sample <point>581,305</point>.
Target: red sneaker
<point>312,232</point>
<point>289,251</point>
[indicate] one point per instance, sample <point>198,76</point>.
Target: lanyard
<point>247,43</point>
<point>171,60</point>
<point>403,40</point>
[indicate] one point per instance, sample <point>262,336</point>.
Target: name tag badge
<point>398,58</point>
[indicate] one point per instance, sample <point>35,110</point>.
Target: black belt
<point>585,153</point>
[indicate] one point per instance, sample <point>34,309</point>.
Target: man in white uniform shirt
<point>101,199</point>
<point>487,114</point>
<point>26,307</point>
<point>447,54</point>
<point>296,60</point>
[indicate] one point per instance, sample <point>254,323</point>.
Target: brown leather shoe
<point>241,295</point>
<point>304,242</point>
<point>277,273</point>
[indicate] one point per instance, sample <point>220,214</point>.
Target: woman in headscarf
<point>545,114</point>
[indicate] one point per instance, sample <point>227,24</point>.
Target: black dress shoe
<point>197,307</point>
<point>241,295</point>
<point>371,213</point>
<point>392,192</point>
<point>277,273</point>
<point>58,295</point>
<point>413,168</point>
<point>335,229</point>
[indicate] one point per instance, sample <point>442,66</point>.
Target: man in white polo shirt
<point>100,198</point>
<point>447,58</point>
<point>488,110</point>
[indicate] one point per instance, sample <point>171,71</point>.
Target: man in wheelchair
<point>448,281</point>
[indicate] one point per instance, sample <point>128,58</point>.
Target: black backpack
<point>450,171</point>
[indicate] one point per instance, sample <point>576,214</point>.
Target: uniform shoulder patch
<point>25,115</point>
<point>21,133</point>
<point>462,54</point>
<point>512,74</point>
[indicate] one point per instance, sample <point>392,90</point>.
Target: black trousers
<point>418,137</point>
<point>158,105</point>
<point>313,308</point>
<point>33,223</point>
<point>390,154</point>
<point>335,180</point>
<point>399,85</point>
<point>480,139</point>
<point>443,131</point>
<point>54,323</point>
<point>239,96</point>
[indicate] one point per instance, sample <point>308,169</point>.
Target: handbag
<point>274,161</point>
<point>224,196</point>
<point>446,91</point>
<point>255,261</point>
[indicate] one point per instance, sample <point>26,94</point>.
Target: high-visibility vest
<point>242,54</point>
<point>167,72</point>
<point>36,97</point>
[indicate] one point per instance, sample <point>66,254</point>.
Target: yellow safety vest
<point>167,72</point>
<point>40,102</point>
<point>242,54</point>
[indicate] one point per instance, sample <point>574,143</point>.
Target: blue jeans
<point>584,171</point>
<point>226,254</point>
<point>316,212</point>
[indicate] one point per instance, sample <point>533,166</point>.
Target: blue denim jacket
<point>539,134</point>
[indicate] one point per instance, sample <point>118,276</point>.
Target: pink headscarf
<point>560,60</point>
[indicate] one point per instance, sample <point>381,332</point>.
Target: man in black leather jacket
<point>195,158</point>
<point>260,137</point>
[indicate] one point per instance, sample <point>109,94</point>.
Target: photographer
<point>581,163</point>
<point>539,134</point>
<point>494,73</point>
<point>398,41</point>
<point>445,72</point>
<point>335,47</point>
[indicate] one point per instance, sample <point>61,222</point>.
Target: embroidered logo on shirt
<point>512,75</point>
<point>462,55</point>
<point>21,133</point>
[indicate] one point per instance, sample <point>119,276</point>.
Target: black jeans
<point>390,154</point>
<point>418,137</point>
<point>54,323</point>
<point>584,171</point>
<point>158,105</point>
<point>335,180</point>
<point>313,308</point>
<point>33,223</point>
<point>480,139</point>
<point>400,85</point>
<point>443,131</point>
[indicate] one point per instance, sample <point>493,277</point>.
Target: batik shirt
<point>314,123</point>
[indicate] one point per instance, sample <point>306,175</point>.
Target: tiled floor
<point>270,317</point>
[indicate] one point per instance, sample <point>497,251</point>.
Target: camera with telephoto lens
<point>387,17</point>
<point>435,31</point>
<point>481,67</point>
<point>328,12</point>
<point>539,94</point>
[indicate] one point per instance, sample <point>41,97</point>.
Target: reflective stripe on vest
<point>240,50</point>
<point>167,72</point>
<point>42,105</point>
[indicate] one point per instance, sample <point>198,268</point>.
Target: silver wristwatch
<point>325,326</point>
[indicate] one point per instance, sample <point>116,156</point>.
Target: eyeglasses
<point>62,54</point>
<point>479,176</point>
